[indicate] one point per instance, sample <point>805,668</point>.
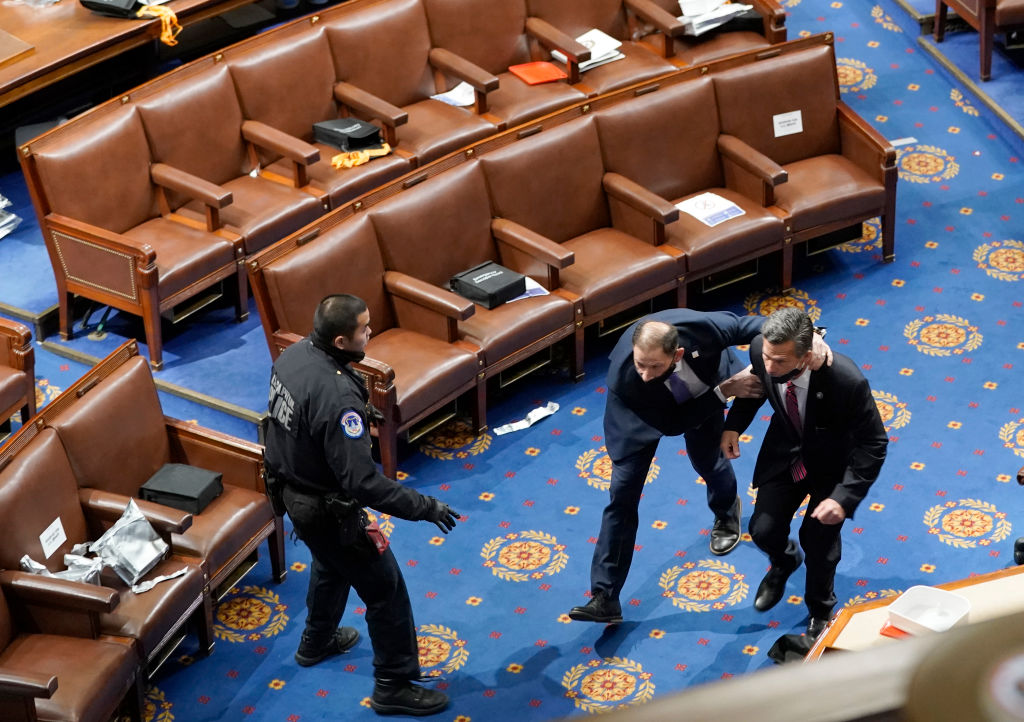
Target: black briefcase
<point>347,134</point>
<point>184,487</point>
<point>489,284</point>
<point>114,8</point>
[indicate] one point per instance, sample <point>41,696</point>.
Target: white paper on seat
<point>52,537</point>
<point>702,23</point>
<point>603,49</point>
<point>710,209</point>
<point>532,289</point>
<point>788,123</point>
<point>460,96</point>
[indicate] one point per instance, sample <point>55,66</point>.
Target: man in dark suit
<point>670,374</point>
<point>825,440</point>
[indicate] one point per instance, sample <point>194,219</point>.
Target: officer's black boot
<point>400,696</point>
<point>309,654</point>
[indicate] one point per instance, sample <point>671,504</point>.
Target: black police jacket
<point>318,438</point>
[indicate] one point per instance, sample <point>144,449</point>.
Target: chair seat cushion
<point>92,674</point>
<point>231,525</point>
<point>512,326</point>
<point>153,616</point>
<point>708,248</point>
<point>612,267</point>
<point>15,386</point>
<point>826,188</point>
<point>1009,12</point>
<point>183,254</point>
<point>435,129</point>
<point>640,64</point>
<point>718,45</point>
<point>263,211</point>
<point>341,186</point>
<point>433,371</point>
<point>516,102</point>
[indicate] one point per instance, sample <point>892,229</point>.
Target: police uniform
<point>318,446</point>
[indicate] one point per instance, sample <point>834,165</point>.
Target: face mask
<point>339,355</point>
<point>787,377</point>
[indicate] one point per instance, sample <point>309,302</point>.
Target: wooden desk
<point>68,38</point>
<point>991,595</point>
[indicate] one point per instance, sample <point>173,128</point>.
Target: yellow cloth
<point>169,27</point>
<point>357,157</point>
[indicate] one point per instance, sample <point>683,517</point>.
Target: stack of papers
<point>710,208</point>
<point>603,49</point>
<point>700,16</point>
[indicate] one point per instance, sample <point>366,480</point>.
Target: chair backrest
<point>551,183</point>
<point>666,141</point>
<point>491,34</point>
<point>195,124</point>
<point>793,90</point>
<point>114,435</point>
<point>439,228</point>
<point>575,17</point>
<point>98,170</point>
<point>343,259</point>
<point>383,48</point>
<point>38,488</point>
<point>287,85</point>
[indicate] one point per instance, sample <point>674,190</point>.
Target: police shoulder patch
<point>352,424</point>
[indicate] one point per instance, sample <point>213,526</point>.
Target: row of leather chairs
<point>155,198</point>
<point>71,650</point>
<point>584,203</point>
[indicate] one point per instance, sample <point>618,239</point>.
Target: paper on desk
<point>460,96</point>
<point>531,418</point>
<point>710,209</point>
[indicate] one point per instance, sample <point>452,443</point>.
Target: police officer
<point>318,453</point>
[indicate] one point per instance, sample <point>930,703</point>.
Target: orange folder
<point>539,72</point>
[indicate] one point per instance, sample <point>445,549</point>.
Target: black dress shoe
<point>1018,550</point>
<point>600,608</point>
<point>773,586</point>
<point>725,534</point>
<point>404,697</point>
<point>815,626</point>
<point>343,640</point>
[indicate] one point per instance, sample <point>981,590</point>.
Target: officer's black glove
<point>441,514</point>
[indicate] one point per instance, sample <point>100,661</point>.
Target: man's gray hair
<point>789,324</point>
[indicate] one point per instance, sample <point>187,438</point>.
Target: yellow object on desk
<point>357,157</point>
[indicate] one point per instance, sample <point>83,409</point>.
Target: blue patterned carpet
<point>939,335</point>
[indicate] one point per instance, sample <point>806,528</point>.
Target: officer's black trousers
<point>339,565</point>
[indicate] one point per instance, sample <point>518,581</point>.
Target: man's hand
<point>829,512</point>
<point>744,385</point>
<point>822,352</point>
<point>441,514</point>
<point>731,444</point>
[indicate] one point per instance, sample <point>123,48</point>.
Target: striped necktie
<point>798,469</point>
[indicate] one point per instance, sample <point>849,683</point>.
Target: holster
<point>275,491</point>
<point>350,515</point>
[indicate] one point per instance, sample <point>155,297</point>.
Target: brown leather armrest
<point>18,334</point>
<point>859,138</point>
<point>271,138</point>
<point>194,187</point>
<point>64,593</point>
<point>774,17</point>
<point>428,295</point>
<point>636,196</point>
<point>23,683</point>
<point>144,254</point>
<point>751,160</point>
<point>657,16</point>
<point>532,243</point>
<point>375,369</point>
<point>282,340</point>
<point>108,506</point>
<point>359,100</point>
<point>554,39</point>
<point>448,62</point>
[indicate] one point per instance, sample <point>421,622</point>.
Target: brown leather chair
<point>119,393</point>
<point>840,170</point>
<point>48,673</point>
<point>17,371</point>
<point>988,17</point>
<point>287,82</point>
<point>409,227</point>
<point>218,146</point>
<point>683,49</point>
<point>37,486</point>
<point>415,363</point>
<point>385,66</point>
<point>644,140</point>
<point>574,204</point>
<point>110,233</point>
<point>573,18</point>
<point>494,35</point>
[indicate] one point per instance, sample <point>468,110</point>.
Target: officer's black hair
<point>337,315</point>
<point>661,335</point>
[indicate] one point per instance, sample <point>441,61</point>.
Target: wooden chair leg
<point>203,618</point>
<point>681,293</point>
<point>787,264</point>
<point>939,29</point>
<point>135,699</point>
<point>577,353</point>
<point>985,40</point>
<point>276,543</point>
<point>66,300</point>
<point>387,438</point>
<point>242,297</point>
<point>479,411</point>
<point>154,333</point>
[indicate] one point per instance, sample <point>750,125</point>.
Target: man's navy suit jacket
<point>638,413</point>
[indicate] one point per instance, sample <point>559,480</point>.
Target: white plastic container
<point>923,609</point>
